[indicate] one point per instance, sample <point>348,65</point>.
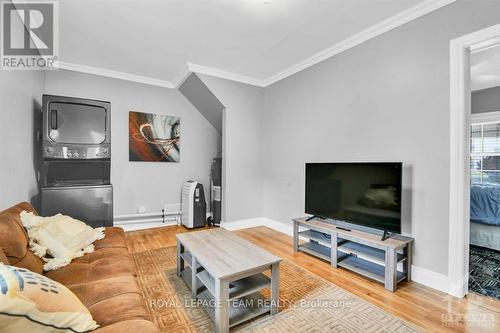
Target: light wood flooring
<point>427,308</point>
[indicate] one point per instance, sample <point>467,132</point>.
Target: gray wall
<point>242,147</point>
<point>20,100</point>
<point>385,100</point>
<point>485,100</point>
<point>147,184</point>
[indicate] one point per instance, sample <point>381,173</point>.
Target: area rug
<point>484,269</point>
<point>308,303</point>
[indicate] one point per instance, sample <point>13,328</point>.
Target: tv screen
<point>367,194</point>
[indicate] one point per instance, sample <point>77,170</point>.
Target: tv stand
<point>358,251</point>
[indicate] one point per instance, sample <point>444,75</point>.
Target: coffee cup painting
<point>153,137</point>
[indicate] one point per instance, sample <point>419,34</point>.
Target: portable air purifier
<point>193,205</point>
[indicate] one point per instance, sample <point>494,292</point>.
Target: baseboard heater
<point>140,221</point>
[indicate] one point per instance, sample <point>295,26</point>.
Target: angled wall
<point>241,146</point>
<point>198,94</point>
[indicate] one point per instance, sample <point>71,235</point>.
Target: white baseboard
<point>285,228</point>
<point>242,224</point>
<point>430,278</point>
<point>259,221</point>
<point>420,275</point>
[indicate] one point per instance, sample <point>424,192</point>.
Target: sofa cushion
<point>119,308</point>
<point>104,268</point>
<point>30,261</point>
<point>111,252</point>
<point>3,258</point>
<point>115,237</point>
<point>14,239</point>
<point>98,291</point>
<point>129,326</point>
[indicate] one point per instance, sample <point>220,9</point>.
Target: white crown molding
<point>378,29</point>
<point>224,75</point>
<point>114,74</point>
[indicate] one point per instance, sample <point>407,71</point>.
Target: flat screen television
<point>366,194</point>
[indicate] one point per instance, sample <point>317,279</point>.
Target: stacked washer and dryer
<point>76,159</point>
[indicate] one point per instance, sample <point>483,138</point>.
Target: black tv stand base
<point>313,217</point>
<point>386,235</point>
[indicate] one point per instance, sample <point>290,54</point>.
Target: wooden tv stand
<point>358,251</point>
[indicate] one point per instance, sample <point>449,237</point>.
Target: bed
<point>485,216</point>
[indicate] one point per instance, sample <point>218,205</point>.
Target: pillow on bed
<point>60,236</point>
<point>31,302</point>
<point>383,197</point>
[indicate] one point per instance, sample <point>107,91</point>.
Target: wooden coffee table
<point>228,275</point>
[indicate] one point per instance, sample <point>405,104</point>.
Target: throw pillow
<point>60,236</point>
<point>31,302</point>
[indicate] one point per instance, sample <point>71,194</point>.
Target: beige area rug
<point>308,302</point>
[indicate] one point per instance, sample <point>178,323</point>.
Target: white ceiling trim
<point>224,75</point>
<point>378,29</point>
<point>114,74</point>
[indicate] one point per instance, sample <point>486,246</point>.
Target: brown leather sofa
<point>105,280</point>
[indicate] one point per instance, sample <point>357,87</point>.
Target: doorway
<point>484,236</point>
<point>460,150</point>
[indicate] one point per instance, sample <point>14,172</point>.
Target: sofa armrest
<point>129,326</point>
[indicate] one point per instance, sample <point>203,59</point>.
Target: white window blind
<point>485,153</point>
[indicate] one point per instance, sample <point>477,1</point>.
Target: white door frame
<point>460,110</point>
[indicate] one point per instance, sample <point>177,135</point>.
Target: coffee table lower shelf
<point>240,309</point>
<point>186,275</point>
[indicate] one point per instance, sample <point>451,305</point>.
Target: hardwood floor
<point>427,308</point>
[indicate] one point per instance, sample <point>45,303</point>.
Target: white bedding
<point>485,235</point>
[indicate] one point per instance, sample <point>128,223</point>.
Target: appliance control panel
<point>76,152</point>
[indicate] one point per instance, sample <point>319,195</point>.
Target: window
<point>485,153</point>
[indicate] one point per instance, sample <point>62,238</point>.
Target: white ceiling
<point>250,39</point>
<point>485,68</point>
